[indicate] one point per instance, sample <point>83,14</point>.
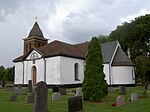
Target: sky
<point>71,21</point>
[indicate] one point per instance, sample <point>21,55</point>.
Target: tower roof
<point>36,31</point>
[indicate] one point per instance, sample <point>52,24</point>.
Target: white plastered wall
<point>67,70</point>
<point>123,75</point>
<point>18,73</point>
<point>53,70</point>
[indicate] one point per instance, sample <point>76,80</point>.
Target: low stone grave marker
<point>30,98</point>
<point>122,90</point>
<point>56,96</point>
<point>111,89</point>
<point>144,94</point>
<point>62,91</point>
<point>13,98</point>
<point>134,97</point>
<point>55,89</point>
<point>41,92</point>
<point>75,104</point>
<point>120,101</point>
<point>79,92</point>
<point>18,90</point>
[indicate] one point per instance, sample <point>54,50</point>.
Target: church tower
<point>34,39</point>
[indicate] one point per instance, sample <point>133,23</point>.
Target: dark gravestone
<point>3,83</point>
<point>122,90</point>
<point>19,86</point>
<point>13,98</point>
<point>144,94</point>
<point>30,89</point>
<point>55,89</point>
<point>75,104</point>
<point>40,101</point>
<point>30,98</point>
<point>62,91</point>
<point>18,90</point>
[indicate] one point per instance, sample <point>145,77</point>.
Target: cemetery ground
<point>104,105</point>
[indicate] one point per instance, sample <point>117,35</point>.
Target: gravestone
<point>30,89</point>
<point>19,86</point>
<point>148,86</point>
<point>3,83</point>
<point>144,94</point>
<point>40,101</point>
<point>18,90</point>
<point>120,101</point>
<point>75,104</point>
<point>111,89</point>
<point>122,90</point>
<point>30,98</point>
<point>56,96</point>
<point>13,98</point>
<point>133,97</point>
<point>55,89</point>
<point>79,92</point>
<point>62,91</point>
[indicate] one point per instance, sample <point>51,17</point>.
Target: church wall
<point>53,70</point>
<point>67,70</point>
<point>39,64</point>
<point>18,73</point>
<point>123,75</point>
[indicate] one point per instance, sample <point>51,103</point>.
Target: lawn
<point>62,106</point>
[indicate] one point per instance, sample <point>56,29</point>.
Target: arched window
<point>76,71</point>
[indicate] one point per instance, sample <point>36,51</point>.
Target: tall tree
<point>94,85</point>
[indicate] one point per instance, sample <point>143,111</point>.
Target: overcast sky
<point>71,21</point>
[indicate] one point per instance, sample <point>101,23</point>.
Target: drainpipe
<point>23,71</point>
<point>44,69</point>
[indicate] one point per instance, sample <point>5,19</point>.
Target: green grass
<point>142,105</point>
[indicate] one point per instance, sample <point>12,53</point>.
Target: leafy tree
<point>7,74</point>
<point>143,69</point>
<point>94,86</point>
<point>2,72</point>
<point>136,36</point>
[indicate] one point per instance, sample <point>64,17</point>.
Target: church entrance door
<point>34,71</point>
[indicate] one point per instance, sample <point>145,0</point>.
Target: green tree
<point>143,69</point>
<point>94,85</point>
<point>2,72</point>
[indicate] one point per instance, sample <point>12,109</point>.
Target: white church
<point>62,64</point>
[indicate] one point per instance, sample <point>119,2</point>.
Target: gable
<point>121,59</point>
<point>33,55</point>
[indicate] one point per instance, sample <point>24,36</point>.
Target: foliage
<point>7,74</point>
<point>143,68</point>
<point>94,86</point>
<point>136,37</point>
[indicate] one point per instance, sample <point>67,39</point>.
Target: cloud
<point>72,21</point>
<point>129,18</point>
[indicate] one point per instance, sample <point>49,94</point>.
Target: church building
<point>61,64</point>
